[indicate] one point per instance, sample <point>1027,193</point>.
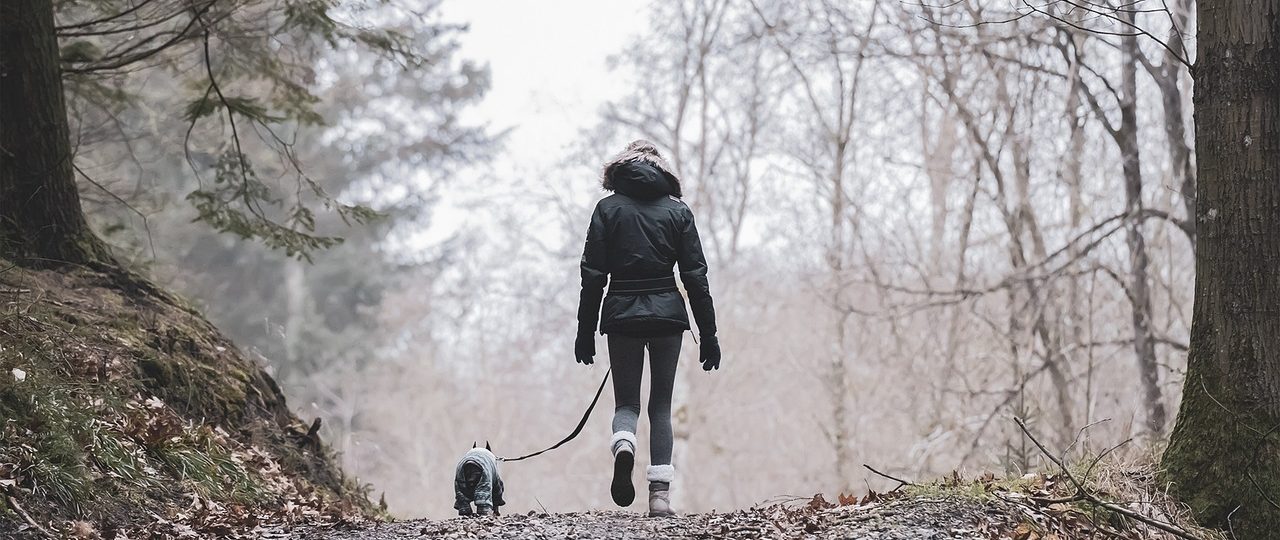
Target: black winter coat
<point>635,238</point>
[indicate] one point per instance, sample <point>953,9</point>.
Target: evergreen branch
<point>104,20</point>
<point>151,23</point>
<point>231,119</point>
<point>119,60</point>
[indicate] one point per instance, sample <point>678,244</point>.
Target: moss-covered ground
<point>121,408</point>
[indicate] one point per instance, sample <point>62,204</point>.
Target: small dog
<point>476,480</point>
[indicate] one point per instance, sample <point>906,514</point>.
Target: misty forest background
<point>921,221</point>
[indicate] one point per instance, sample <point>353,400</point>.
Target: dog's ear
<point>486,446</point>
<point>473,444</point>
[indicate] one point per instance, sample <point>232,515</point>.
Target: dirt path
<point>893,520</point>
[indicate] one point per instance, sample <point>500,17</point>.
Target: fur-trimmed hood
<point>640,172</point>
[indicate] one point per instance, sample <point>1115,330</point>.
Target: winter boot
<point>660,477</point>
<point>623,446</point>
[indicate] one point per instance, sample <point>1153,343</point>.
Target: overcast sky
<point>548,59</point>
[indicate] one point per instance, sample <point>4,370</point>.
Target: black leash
<point>581,423</point>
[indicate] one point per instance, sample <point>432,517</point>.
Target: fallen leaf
<point>819,503</point>
<point>1025,532</point>
<point>83,530</point>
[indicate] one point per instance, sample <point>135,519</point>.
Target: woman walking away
<point>635,238</point>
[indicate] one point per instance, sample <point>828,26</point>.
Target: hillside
<point>126,415</point>
<point>125,411</point>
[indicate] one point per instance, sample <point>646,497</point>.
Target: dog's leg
<point>496,495</point>
<point>484,496</point>
<point>461,501</point>
<point>498,490</point>
<point>462,505</point>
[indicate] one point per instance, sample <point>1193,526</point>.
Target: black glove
<point>709,353</point>
<point>585,348</point>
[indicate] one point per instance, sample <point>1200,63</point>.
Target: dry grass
<point>1048,506</point>
<point>122,406</point>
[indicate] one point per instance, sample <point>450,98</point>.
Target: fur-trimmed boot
<point>623,446</point>
<point>660,477</point>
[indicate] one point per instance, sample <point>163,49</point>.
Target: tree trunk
<point>1139,292</point>
<point>1224,458</point>
<point>41,222</point>
<point>838,384</point>
<point>838,377</point>
<point>1167,77</point>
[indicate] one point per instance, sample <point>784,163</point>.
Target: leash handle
<point>581,423</point>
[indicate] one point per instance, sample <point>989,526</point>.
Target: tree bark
<point>41,221</point>
<point>1223,458</point>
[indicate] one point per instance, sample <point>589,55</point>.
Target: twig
<point>104,20</point>
<point>1079,434</point>
<point>1084,492</point>
<point>1049,500</point>
<point>1103,455</point>
<point>780,499</point>
<point>146,225</point>
<point>900,481</point>
<point>13,503</point>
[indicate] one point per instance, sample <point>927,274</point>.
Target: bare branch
<point>1088,494</point>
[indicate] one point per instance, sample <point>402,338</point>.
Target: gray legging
<point>626,360</point>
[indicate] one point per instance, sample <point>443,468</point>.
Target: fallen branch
<point>1088,495</point>
<point>900,481</point>
<point>13,503</point>
<point>1049,500</point>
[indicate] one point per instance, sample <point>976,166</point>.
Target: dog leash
<point>581,423</point>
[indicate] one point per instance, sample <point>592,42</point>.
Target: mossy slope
<point>121,405</point>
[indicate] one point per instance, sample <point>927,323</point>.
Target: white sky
<point>548,62</point>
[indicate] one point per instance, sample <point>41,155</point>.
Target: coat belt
<point>635,287</point>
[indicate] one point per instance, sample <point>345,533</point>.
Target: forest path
<point>908,518</point>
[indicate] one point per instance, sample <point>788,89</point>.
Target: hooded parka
<point>637,235</point>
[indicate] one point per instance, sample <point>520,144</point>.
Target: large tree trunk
<point>41,221</point>
<point>1224,455</point>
